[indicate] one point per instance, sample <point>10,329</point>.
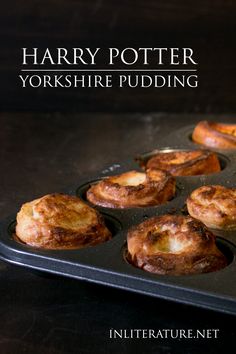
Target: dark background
<point>207,27</point>
<point>49,140</point>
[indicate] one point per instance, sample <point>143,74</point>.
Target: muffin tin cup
<point>106,263</point>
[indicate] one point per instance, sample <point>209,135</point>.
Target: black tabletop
<point>43,153</point>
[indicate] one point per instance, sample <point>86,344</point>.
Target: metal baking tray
<point>106,263</point>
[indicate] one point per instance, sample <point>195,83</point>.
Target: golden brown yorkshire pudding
<point>215,206</point>
<point>58,221</point>
<point>174,245</point>
<point>133,189</point>
<point>216,135</point>
<point>185,163</point>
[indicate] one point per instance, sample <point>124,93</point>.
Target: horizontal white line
<point>104,70</point>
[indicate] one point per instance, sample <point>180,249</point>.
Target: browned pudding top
<point>169,234</point>
<point>224,128</point>
<point>216,135</point>
<point>62,211</point>
<point>220,197</point>
<point>174,245</point>
<point>133,189</point>
<point>214,205</point>
<point>185,163</point>
<point>59,221</point>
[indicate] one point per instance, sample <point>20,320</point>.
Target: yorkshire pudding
<point>174,245</point>
<point>215,206</point>
<point>133,189</point>
<point>215,135</point>
<point>58,221</point>
<point>185,163</point>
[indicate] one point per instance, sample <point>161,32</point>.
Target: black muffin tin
<point>106,263</point>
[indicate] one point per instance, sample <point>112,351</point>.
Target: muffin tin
<point>107,264</point>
